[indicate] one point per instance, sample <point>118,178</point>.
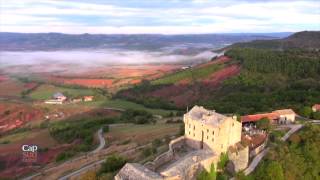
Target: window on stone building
<point>207,130</point>
<point>194,127</point>
<point>221,146</point>
<point>189,132</point>
<point>232,124</point>
<point>212,139</point>
<point>207,137</point>
<point>193,135</point>
<point>189,125</point>
<point>212,132</point>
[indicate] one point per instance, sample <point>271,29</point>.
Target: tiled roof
<point>316,106</point>
<point>257,117</point>
<point>284,111</point>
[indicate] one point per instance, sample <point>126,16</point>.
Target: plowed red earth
<point>220,60</point>
<point>87,82</point>
<point>3,78</point>
<point>115,76</point>
<point>15,115</point>
<point>183,94</point>
<point>217,77</point>
<point>14,166</point>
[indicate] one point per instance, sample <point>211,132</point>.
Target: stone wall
<point>239,157</point>
<point>258,149</point>
<point>167,156</point>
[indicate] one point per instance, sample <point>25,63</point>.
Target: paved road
<point>79,171</point>
<point>102,143</point>
<point>293,128</point>
<point>255,161</point>
<point>94,164</point>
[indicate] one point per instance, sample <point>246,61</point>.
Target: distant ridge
<point>302,40</point>
<point>59,41</point>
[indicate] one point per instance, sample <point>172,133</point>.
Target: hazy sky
<point>158,16</point>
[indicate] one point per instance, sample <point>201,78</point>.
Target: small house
<point>87,98</point>
<point>285,116</point>
<point>316,108</point>
<point>59,96</point>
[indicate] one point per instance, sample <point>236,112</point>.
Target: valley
<point>140,107</point>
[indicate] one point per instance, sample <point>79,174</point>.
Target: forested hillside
<point>297,159</point>
<point>269,79</point>
<point>301,40</point>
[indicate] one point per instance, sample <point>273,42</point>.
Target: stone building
<point>282,116</point>
<point>208,129</point>
<point>207,135</point>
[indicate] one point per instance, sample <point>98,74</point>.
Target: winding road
<point>102,143</point>
<point>293,129</point>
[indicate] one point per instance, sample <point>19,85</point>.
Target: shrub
<point>112,164</point>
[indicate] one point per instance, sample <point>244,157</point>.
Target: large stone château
<point>208,129</point>
<point>207,135</point>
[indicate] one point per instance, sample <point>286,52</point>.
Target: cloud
<point>158,16</point>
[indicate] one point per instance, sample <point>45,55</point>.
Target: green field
<point>46,91</point>
<point>123,104</point>
<point>193,73</point>
<point>143,133</point>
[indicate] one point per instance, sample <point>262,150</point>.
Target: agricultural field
<point>12,142</point>
<point>11,87</point>
<point>189,74</point>
<point>141,134</point>
<point>46,91</point>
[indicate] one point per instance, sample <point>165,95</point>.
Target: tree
<point>264,124</point>
<point>269,170</point>
<point>316,115</point>
<point>306,111</point>
<point>274,171</point>
<point>205,175</point>
<point>112,163</point>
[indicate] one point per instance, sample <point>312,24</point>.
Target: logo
<point>29,153</point>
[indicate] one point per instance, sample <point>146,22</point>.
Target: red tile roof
<point>316,107</point>
<point>257,117</point>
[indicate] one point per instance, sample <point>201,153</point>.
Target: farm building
<point>87,98</point>
<point>59,96</point>
<point>283,116</point>
<point>316,108</point>
<point>53,101</point>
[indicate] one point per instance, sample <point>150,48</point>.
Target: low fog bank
<point>99,57</point>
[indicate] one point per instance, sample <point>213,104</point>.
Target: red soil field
<point>3,78</point>
<point>15,115</point>
<point>114,76</point>
<point>217,77</point>
<point>14,166</point>
<point>30,85</point>
<point>220,60</point>
<point>89,82</point>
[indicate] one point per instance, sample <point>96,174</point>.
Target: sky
<point>158,16</point>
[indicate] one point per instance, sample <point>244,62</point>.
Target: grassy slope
<point>123,104</point>
<point>196,73</point>
<point>143,133</point>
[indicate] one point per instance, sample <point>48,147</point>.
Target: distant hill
<point>302,40</point>
<point>174,43</point>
